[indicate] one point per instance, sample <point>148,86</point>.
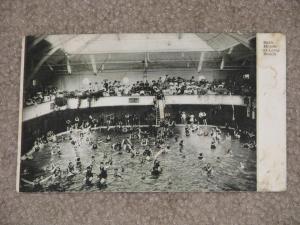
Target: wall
<point>204,100</point>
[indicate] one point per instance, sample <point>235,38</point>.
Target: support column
<point>160,111</point>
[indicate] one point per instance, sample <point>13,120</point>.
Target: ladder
<point>157,116</point>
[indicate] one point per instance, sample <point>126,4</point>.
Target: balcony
<point>34,111</point>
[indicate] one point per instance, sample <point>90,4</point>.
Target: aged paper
<point>271,107</point>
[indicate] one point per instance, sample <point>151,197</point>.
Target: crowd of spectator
<point>40,95</point>
<point>165,85</point>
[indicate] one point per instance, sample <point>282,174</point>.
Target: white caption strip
<point>271,112</point>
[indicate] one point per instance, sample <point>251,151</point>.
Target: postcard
<point>153,112</point>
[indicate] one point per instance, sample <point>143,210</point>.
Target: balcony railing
<point>31,112</point>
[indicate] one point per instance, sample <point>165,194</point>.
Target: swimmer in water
<point>253,146</point>
<point>53,151</point>
<point>132,154</point>
<point>228,137</point>
<point>36,148</point>
<point>142,160</point>
<point>166,150</point>
<point>118,148</point>
<point>110,161</point>
<point>144,142</point>
<point>108,138</point>
<point>116,173</point>
<point>102,176</point>
<point>59,152</point>
<point>242,166</point>
<point>127,145</point>
<point>200,131</point>
<point>156,170</point>
<point>213,144</point>
<point>93,161</point>
<point>71,168</point>
<point>81,134</point>
<point>187,131</point>
<point>147,152</point>
<point>237,134</point>
<point>25,172</point>
<point>208,170</point>
<point>78,163</point>
<point>229,152</point>
<point>104,155</point>
<point>99,140</point>
<point>200,157</point>
<point>57,174</point>
<point>94,146</point>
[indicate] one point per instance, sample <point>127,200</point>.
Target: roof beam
<point>49,54</point>
<point>200,62</point>
<point>93,62</point>
<point>87,43</point>
<point>68,65</point>
<point>240,39</point>
<point>146,61</point>
<point>50,67</point>
<point>222,63</point>
<point>102,68</point>
<point>46,57</point>
<point>133,61</point>
<point>37,41</point>
<point>230,50</point>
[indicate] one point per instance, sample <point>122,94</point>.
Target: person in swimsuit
<point>71,168</point>
<point>147,152</point>
<point>88,176</point>
<point>181,146</point>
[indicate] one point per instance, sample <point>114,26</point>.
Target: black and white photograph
<point>157,112</point>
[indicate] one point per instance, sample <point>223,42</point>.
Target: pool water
<point>182,171</point>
